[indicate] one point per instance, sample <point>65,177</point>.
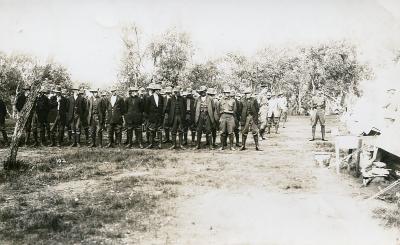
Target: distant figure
<point>3,113</point>
<point>318,104</point>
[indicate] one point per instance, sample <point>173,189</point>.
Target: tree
<point>170,53</point>
<point>131,70</point>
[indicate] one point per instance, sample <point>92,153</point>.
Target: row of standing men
<point>159,113</point>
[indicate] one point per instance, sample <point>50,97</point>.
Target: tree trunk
<point>11,162</point>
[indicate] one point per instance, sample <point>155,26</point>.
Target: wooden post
<point>11,162</point>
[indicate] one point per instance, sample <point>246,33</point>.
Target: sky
<point>85,36</point>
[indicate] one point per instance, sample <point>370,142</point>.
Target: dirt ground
<point>277,196</point>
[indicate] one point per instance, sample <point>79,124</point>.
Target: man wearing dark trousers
<point>189,117</point>
<point>227,110</point>
<point>155,113</point>
<point>75,115</point>
<point>204,117</point>
<point>134,117</point>
<point>19,104</point>
<point>175,114</point>
<point>60,103</point>
<point>96,117</point>
<point>249,119</point>
<point>167,97</point>
<point>3,113</point>
<point>42,112</point>
<point>115,111</point>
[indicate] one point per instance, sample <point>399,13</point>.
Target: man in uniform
<point>283,105</point>
<point>204,117</point>
<point>85,123</point>
<point>134,117</point>
<point>237,117</point>
<point>318,104</point>
<point>273,114</point>
<point>96,117</point>
<point>115,109</point>
<point>75,115</point>
<point>227,111</point>
<point>60,105</point>
<point>189,117</point>
<point>19,104</point>
<point>212,92</point>
<point>155,113</point>
<point>42,112</point>
<point>249,119</point>
<point>167,97</point>
<point>3,113</point>
<point>175,115</point>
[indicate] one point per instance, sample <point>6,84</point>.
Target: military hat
<point>133,89</point>
<point>57,90</point>
<point>157,87</point>
<point>150,86</point>
<point>226,90</point>
<point>177,89</point>
<point>184,93</point>
<point>233,92</point>
<point>269,94</point>
<point>104,93</point>
<point>168,89</point>
<point>211,91</point>
<point>142,89</point>
<point>247,91</point>
<point>263,85</point>
<point>74,88</point>
<point>162,91</point>
<point>94,90</point>
<point>82,91</point>
<point>189,90</point>
<point>27,88</point>
<point>202,89</point>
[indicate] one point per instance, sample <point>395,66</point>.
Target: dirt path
<point>276,196</point>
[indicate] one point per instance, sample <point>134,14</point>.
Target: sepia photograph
<point>188,122</point>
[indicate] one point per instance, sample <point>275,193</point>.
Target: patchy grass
<point>31,211</point>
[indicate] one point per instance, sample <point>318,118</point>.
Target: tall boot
<point>244,138</point>
<point>78,139</point>
<point>42,138</point>
<point>27,138</point>
<point>276,128</point>
<point>147,137</point>
<point>150,140</point>
<point>87,136</point>
<point>110,139</point>
<point>256,142</point>
<point>160,140</point>
<point>222,137</point>
<point>193,133</point>
<point>210,140</point>
<point>262,131</point>
<point>237,139</point>
<point>231,143</point>
<point>313,133</point>
<point>129,136</point>
<point>269,129</point>
<point>101,139</point>
<point>198,141</point>
<point>69,137</point>
<point>323,132</point>
<point>174,143</point>
<point>167,136</point>
<point>93,143</point>
<point>74,138</point>
<point>139,138</point>
<point>225,141</point>
<point>185,140</point>
<point>35,138</point>
<point>60,137</point>
<point>180,146</point>
<point>53,140</point>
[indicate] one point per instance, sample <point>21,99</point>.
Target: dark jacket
<point>155,114</point>
<point>51,117</point>
<point>61,111</point>
<point>42,108</point>
<point>192,111</point>
<point>210,109</point>
<point>76,107</point>
<point>3,112</point>
<point>101,109</point>
<point>171,106</point>
<point>134,110</point>
<point>21,100</point>
<point>253,110</point>
<point>115,113</point>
